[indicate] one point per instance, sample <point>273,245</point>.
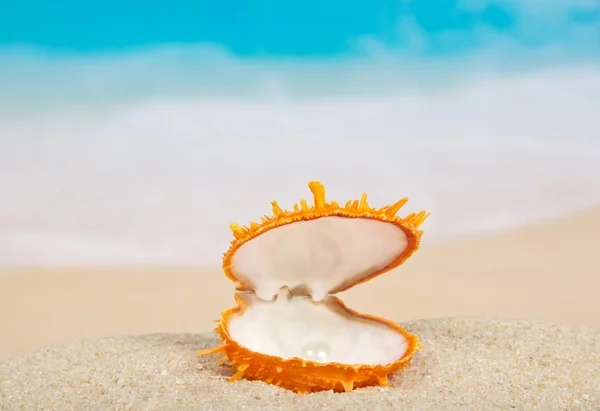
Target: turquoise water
<point>72,52</point>
<point>309,28</point>
<point>136,134</point>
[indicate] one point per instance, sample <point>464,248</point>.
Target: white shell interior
<point>320,256</point>
<point>316,331</point>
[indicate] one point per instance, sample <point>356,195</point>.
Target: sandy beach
<point>546,270</point>
<point>139,141</point>
<point>465,364</point>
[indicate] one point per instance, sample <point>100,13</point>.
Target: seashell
<point>288,328</point>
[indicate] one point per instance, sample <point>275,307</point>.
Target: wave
<point>157,180</point>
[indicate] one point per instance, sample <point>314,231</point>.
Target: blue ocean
<point>137,133</point>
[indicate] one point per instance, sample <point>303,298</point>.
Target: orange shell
<point>296,374</point>
<point>303,376</point>
<point>353,209</point>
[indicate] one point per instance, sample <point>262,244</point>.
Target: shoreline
<point>531,272</point>
<point>9,264</point>
<point>426,243</point>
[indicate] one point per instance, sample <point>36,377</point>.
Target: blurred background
<point>133,133</point>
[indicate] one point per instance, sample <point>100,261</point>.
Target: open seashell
<point>287,327</point>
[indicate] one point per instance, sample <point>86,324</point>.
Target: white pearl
<point>316,350</point>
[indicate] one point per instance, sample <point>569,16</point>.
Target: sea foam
<point>158,181</point>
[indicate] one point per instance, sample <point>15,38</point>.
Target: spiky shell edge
<point>302,376</point>
<point>353,209</point>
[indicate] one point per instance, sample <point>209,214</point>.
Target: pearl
<point>316,350</point>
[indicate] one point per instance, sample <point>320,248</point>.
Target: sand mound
<point>466,364</point>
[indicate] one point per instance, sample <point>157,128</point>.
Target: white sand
<point>466,364</point>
